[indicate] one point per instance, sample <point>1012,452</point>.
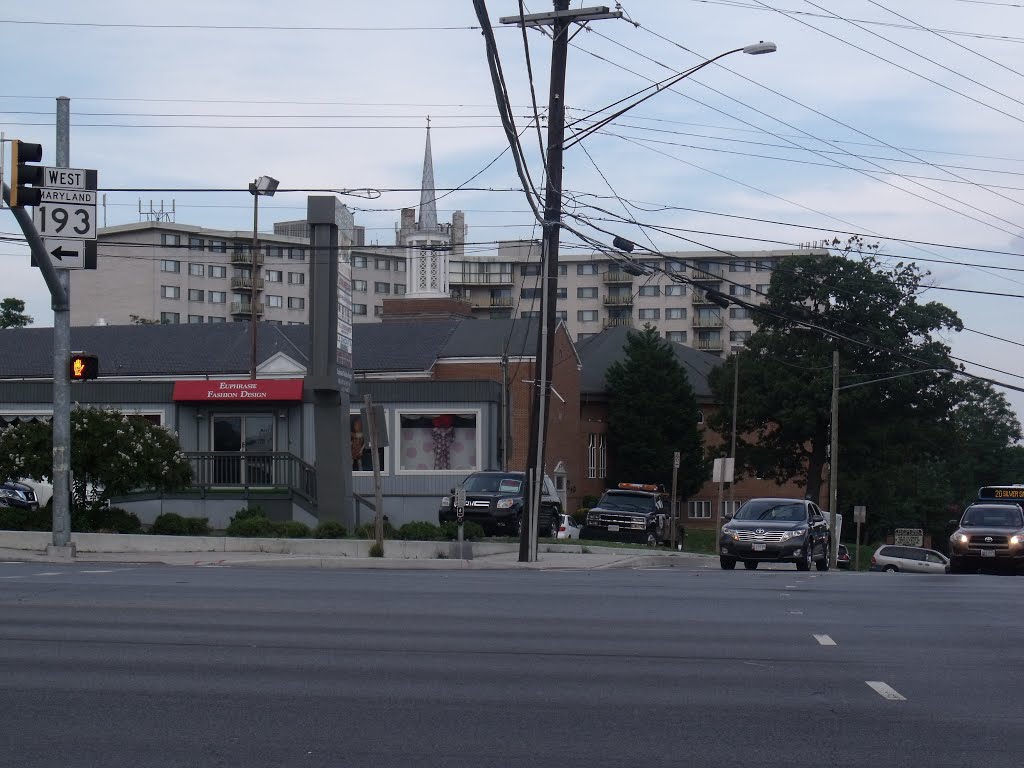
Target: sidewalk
<point>330,554</point>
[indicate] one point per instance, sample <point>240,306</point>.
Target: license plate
<point>758,547</point>
<point>988,553</point>
<point>613,528</point>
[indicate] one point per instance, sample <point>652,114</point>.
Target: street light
<point>264,186</point>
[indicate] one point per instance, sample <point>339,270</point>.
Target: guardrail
<point>253,469</point>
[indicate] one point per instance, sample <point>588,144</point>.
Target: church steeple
<point>428,197</point>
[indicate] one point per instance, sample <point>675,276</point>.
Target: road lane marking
<point>885,691</point>
<point>796,613</point>
<point>791,586</point>
<point>110,571</point>
<point>22,576</point>
<point>48,573</point>
<point>826,640</point>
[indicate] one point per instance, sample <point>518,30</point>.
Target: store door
<point>243,435</point>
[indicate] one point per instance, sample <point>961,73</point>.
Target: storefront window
<point>438,442</point>
<point>362,458</point>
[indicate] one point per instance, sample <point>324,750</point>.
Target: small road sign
<point>69,178</point>
<point>676,458</point>
<point>860,514</point>
<point>65,220</point>
<point>908,537</point>
<point>71,254</point>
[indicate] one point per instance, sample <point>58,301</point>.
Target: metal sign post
<point>859,516</point>
<point>676,460</point>
<point>460,515</point>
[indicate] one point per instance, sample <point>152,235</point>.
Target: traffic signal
<point>84,367</point>
<point>26,180</point>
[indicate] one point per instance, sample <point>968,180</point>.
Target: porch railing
<point>253,469</point>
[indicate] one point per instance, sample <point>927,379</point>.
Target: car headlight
<point>787,535</point>
<point>734,535</point>
<point>961,538</point>
<point>1017,539</point>
<point>506,503</point>
<point>6,492</point>
<point>445,502</point>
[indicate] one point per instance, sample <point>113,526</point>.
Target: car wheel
<point>652,540</point>
<point>805,563</point>
<point>519,527</point>
<point>890,569</point>
<point>823,564</point>
<point>750,565</point>
<point>727,563</point>
<point>553,529</point>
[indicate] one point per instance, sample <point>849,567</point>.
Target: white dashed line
<point>48,573</point>
<point>14,577</point>
<point>796,613</point>
<point>791,586</point>
<point>885,691</point>
<point>111,571</point>
<point>826,640</point>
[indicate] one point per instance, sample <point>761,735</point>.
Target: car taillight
<point>873,561</point>
<point>561,529</point>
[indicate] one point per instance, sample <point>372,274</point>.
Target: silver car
<point>892,558</point>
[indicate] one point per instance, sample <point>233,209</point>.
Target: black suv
<point>494,500</point>
<point>776,531</point>
<point>18,495</point>
<point>632,512</point>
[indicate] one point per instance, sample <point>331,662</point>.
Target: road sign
<point>675,460</point>
<point>69,178</point>
<point>860,514</point>
<point>65,220</point>
<point>908,537</point>
<point>69,196</point>
<point>70,254</point>
<point>722,470</point>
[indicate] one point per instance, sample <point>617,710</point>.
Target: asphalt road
<point>111,666</point>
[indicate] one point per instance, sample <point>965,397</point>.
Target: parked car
<point>18,495</point>
<point>843,557</point>
<point>771,530</point>
<point>495,501</point>
<point>633,512</point>
<point>892,558</point>
<point>567,527</point>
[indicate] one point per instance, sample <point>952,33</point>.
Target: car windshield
<point>771,510</point>
<point>993,516</point>
<point>493,484</point>
<point>627,502</point>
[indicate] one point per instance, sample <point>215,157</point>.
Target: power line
<point>238,27</point>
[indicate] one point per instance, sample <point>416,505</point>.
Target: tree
<point>111,454</point>
<point>652,412</point>
<point>869,313</point>
<point>139,320</point>
<point>12,313</point>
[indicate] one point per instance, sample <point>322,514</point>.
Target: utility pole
<point>505,420</point>
<point>560,21</point>
<point>61,382</point>
<point>735,406</point>
<point>833,460</point>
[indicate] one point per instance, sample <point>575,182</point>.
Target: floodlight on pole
<point>264,186</point>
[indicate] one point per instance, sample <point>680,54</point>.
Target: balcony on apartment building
<point>701,300</point>
<point>244,308</point>
<point>473,278</point>
<point>480,298</point>
<point>245,257</point>
<point>245,283</point>
<point>707,272</point>
<point>616,276</point>
<point>618,300</point>
<point>707,320</point>
<point>710,344</point>
<point>614,322</point>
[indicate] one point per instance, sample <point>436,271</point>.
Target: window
<point>275,251</point>
<point>677,336</point>
<point>217,297</point>
<point>563,270</point>
<point>274,275</point>
<point>275,301</point>
<point>766,265</point>
<point>530,313</point>
<point>298,254</point>
<point>169,239</point>
<point>296,278</point>
<point>586,315</point>
<point>763,288</point>
<point>359,309</point>
<point>384,288</point>
<point>194,294</point>
<point>296,302</point>
<point>671,265</point>
<point>196,243</point>
<point>383,264</point>
<point>195,319</point>
<point>740,290</point>
<point>527,270</point>
<point>170,265</point>
<point>217,271</point>
<point>675,313</point>
<point>399,265</point>
<point>584,336</point>
<point>213,319</point>
<point>739,266</point>
<point>650,290</point>
<point>562,314</point>
<point>698,510</point>
<point>586,293</point>
<point>438,442</point>
<point>530,293</point>
<point>378,310</point>
<point>362,454</point>
<point>170,292</point>
<point>241,248</point>
<point>675,290</point>
<point>218,246</point>
<point>197,270</point>
<point>359,285</point>
<point>399,289</point>
<point>650,314</point>
<point>588,269</point>
<point>562,293</point>
<point>739,313</point>
<point>170,317</point>
<point>359,262</point>
<point>592,455</point>
<point>740,337</point>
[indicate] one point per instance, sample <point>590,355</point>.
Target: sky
<point>898,120</point>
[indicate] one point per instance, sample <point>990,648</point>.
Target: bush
<point>15,519</point>
<point>245,513</point>
<point>588,501</point>
<point>172,524</point>
<point>580,515</point>
<point>471,531</point>
<point>330,529</point>
<point>376,550</point>
<point>116,520</point>
<point>419,531</point>
<point>292,529</point>
<point>369,531</point>
<point>252,527</point>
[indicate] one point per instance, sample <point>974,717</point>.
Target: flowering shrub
<point>112,454</point>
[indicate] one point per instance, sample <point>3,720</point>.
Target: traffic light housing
<point>84,367</point>
<point>26,180</point>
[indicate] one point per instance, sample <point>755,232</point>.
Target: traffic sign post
<point>859,516</point>
<point>460,515</point>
